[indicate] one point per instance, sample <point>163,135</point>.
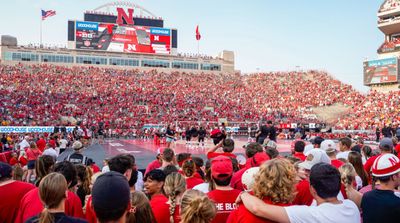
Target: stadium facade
<point>118,35</point>
<point>382,74</point>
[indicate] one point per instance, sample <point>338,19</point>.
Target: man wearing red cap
<point>223,196</point>
<point>255,157</point>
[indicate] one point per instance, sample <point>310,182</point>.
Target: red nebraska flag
<point>198,36</point>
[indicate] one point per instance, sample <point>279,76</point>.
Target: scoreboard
<point>122,38</point>
<point>381,71</point>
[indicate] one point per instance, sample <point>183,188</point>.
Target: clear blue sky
<point>268,35</point>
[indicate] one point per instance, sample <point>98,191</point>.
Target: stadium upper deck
<point>132,37</point>
<point>383,74</point>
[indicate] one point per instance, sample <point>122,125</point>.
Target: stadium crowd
<point>320,182</point>
<point>377,110</point>
<point>124,100</point>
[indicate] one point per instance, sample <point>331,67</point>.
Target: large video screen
<point>381,71</point>
<point>122,38</point>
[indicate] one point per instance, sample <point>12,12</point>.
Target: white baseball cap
<point>248,177</point>
<point>315,156</point>
<point>328,146</point>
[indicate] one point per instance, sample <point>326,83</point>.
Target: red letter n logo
<point>122,14</point>
<point>393,161</point>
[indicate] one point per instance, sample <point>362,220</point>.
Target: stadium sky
<point>266,35</point>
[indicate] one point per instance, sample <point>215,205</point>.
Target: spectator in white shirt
<point>50,151</point>
<point>24,143</point>
<point>325,183</point>
<point>345,148</point>
<point>63,144</point>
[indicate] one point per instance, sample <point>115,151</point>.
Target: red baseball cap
<point>258,159</point>
<point>221,167</point>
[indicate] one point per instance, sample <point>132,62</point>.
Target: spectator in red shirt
<point>299,150</point>
<point>227,145</point>
<point>385,146</point>
<point>11,193</point>
<point>41,143</point>
<point>223,195</point>
<point>174,187</point>
<point>153,186</point>
<point>196,207</point>
<point>93,166</point>
<point>190,174</point>
<point>155,164</point>
<point>32,153</point>
<point>111,197</point>
<point>14,159</point>
<point>303,195</point>
<point>250,151</point>
<point>182,157</point>
<point>31,205</point>
<point>281,177</point>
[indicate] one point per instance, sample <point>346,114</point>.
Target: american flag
<point>48,13</point>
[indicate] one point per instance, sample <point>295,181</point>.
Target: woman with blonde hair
<point>196,207</point>
<point>274,184</point>
<point>140,210</point>
<point>174,187</point>
<point>53,190</point>
<point>347,174</point>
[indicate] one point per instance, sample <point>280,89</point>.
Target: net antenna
<point>138,10</point>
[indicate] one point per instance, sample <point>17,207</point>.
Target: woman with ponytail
<point>174,187</point>
<point>53,190</point>
<point>140,210</point>
<point>196,207</point>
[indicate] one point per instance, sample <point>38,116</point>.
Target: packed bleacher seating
<point>378,109</point>
<point>126,99</point>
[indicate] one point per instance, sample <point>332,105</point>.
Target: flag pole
<point>41,21</point>
<point>198,47</point>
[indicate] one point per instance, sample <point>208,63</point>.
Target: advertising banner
<point>122,38</point>
<point>30,129</point>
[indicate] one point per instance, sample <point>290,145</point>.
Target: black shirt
<point>170,133</point>
<point>380,206</point>
<point>272,133</point>
<point>58,218</point>
<point>77,158</point>
<point>202,133</point>
<point>264,131</point>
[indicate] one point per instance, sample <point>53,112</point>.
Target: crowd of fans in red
<point>377,110</point>
<point>319,182</point>
<point>47,95</point>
